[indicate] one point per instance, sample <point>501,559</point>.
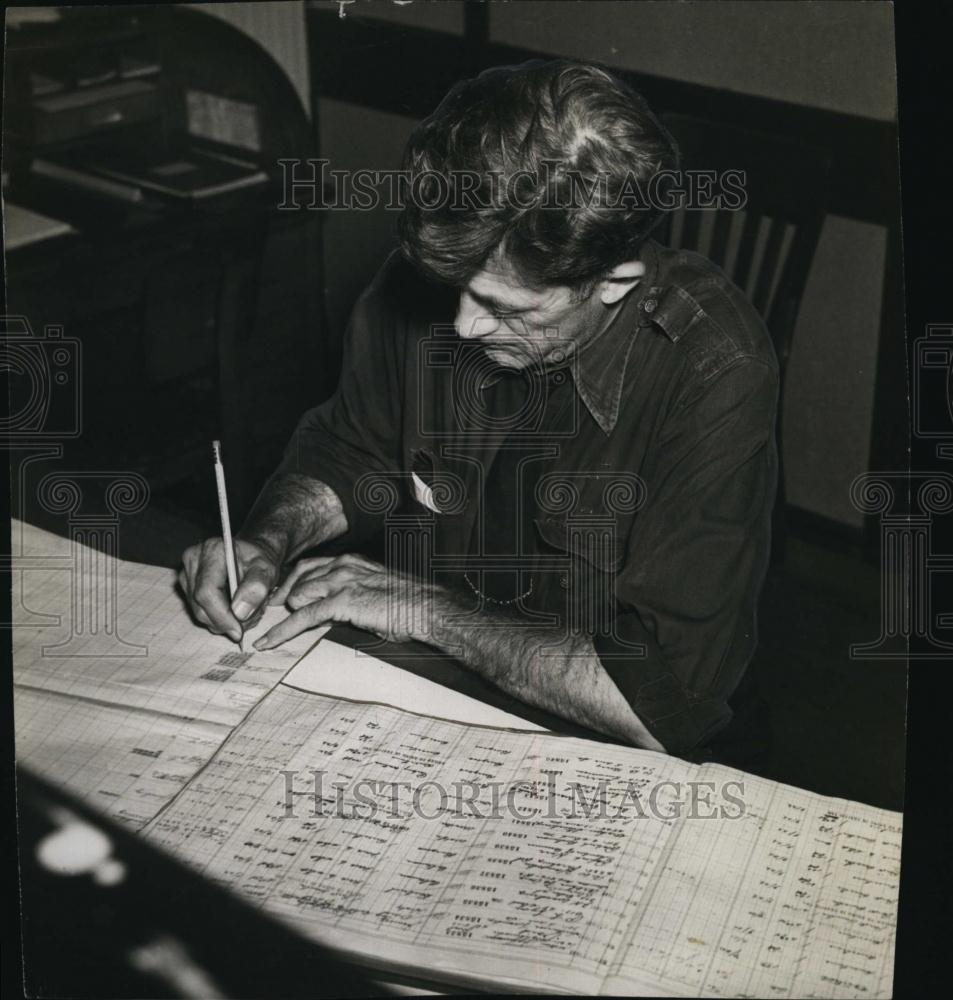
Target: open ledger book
<point>474,855</point>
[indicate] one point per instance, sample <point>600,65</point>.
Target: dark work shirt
<point>625,495</point>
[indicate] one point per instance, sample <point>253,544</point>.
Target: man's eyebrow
<point>495,304</point>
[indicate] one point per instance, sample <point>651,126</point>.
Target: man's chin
<point>505,358</point>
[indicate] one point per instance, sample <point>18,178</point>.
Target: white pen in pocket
<point>424,493</point>
<point>231,567</point>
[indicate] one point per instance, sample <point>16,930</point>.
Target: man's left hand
<point>355,590</point>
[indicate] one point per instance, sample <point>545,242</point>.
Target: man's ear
<point>620,281</point>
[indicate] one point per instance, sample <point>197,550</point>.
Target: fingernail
<point>242,609</point>
<point>235,635</point>
<point>260,643</point>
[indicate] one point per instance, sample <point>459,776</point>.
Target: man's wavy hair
<point>567,138</point>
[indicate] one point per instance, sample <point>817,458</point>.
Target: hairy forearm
<point>560,675</point>
<point>294,513</point>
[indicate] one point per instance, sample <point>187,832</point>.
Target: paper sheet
<point>796,897</point>
<point>332,669</point>
<point>144,713</point>
<point>543,862</point>
<point>126,764</point>
<point>531,901</point>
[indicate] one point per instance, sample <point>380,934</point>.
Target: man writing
<point>580,420</point>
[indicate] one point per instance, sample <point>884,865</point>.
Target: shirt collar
<point>599,367</point>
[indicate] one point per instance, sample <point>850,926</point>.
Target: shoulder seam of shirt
<point>706,358</point>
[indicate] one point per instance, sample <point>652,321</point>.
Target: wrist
<point>274,549</point>
<point>436,604</point>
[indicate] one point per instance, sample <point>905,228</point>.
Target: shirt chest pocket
<point>589,516</point>
<point>590,543</point>
<point>579,561</point>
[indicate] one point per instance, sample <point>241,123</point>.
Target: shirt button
<point>564,581</point>
<point>649,305</point>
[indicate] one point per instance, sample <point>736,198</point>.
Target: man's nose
<point>472,323</point>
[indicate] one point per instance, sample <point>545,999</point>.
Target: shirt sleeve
<point>697,557</point>
<point>357,431</point>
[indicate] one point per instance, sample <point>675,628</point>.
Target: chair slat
<point>746,247</point>
<point>768,267</point>
<point>719,240</point>
<point>691,229</point>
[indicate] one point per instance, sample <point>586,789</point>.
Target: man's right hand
<point>204,581</point>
